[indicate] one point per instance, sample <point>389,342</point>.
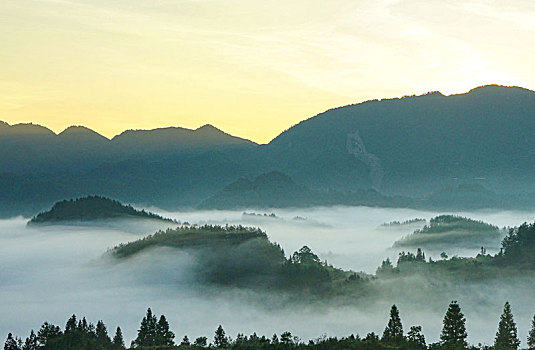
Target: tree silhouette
<point>507,335</point>
<point>31,342</point>
<point>454,334</point>
<point>101,333</point>
<point>393,332</point>
<point>201,342</point>
<point>12,343</point>
<point>163,335</point>
<point>220,339</point>
<point>185,341</point>
<point>531,335</point>
<point>415,338</point>
<point>146,335</point>
<point>118,341</point>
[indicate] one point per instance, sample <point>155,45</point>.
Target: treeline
<point>154,333</point>
<point>189,236</point>
<point>403,223</point>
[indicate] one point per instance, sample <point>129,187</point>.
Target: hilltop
<point>89,209</point>
<point>453,231</point>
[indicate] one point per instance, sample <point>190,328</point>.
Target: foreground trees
<point>393,333</point>
<point>506,337</point>
<point>454,334</point>
<point>154,334</point>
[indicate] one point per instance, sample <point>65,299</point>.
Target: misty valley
<point>398,223</point>
<point>285,276</point>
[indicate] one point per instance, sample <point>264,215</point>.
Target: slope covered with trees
<point>89,209</point>
<point>239,256</point>
<point>453,231</point>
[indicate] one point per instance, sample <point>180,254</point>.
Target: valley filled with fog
<point>48,273</point>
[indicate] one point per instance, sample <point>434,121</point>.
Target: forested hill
<point>416,144</point>
<point>91,208</point>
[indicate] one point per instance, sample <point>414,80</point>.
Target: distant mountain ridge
<point>480,144</point>
<point>417,143</point>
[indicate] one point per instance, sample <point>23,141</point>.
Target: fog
<point>48,273</point>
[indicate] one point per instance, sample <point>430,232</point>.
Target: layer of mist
<point>48,273</point>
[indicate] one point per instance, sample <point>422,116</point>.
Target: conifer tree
<point>507,334</point>
<point>531,335</point>
<point>146,334</point>
<point>102,334</point>
<point>185,341</point>
<point>163,335</point>
<point>47,332</point>
<point>11,343</point>
<point>415,338</point>
<point>31,342</point>
<point>220,339</point>
<point>118,341</point>
<point>71,324</point>
<point>393,332</point>
<point>454,334</point>
<point>201,342</point>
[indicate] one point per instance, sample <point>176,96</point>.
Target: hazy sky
<point>252,68</point>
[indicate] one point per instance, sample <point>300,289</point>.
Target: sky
<point>252,68</point>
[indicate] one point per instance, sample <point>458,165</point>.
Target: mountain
<point>463,151</point>
<point>277,190</point>
<point>169,167</point>
<point>172,140</point>
<point>415,145</point>
<point>89,209</point>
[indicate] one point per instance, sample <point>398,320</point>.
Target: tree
<point>31,342</point>
<point>101,333</point>
<point>454,334</point>
<point>415,338</point>
<point>531,335</point>
<point>201,342</point>
<point>11,343</point>
<point>47,332</point>
<point>507,334</point>
<point>71,324</point>
<point>305,256</point>
<point>185,341</point>
<point>163,335</point>
<point>386,268</point>
<point>393,332</point>
<point>220,339</point>
<point>286,338</point>
<point>118,341</point>
<point>146,334</point>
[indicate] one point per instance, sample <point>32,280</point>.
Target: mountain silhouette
<point>415,146</point>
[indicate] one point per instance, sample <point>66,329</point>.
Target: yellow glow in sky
<point>252,68</point>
